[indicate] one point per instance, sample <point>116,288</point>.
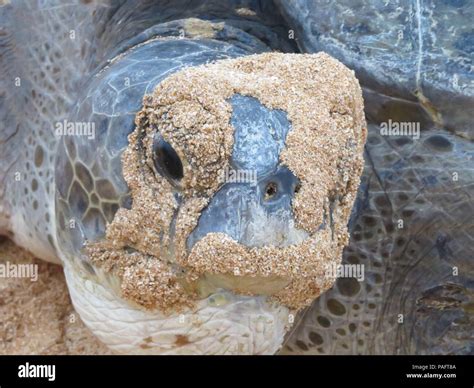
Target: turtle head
<point>248,200</point>
<point>240,177</point>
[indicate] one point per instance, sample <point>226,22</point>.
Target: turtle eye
<point>166,160</point>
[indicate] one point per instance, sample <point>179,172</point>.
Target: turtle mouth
<point>287,274</point>
<point>256,229</point>
<point>209,284</point>
<point>247,241</point>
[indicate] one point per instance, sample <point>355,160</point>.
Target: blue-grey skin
<point>101,75</point>
<point>416,50</point>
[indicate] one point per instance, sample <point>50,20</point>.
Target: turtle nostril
<point>270,191</point>
<point>297,188</point>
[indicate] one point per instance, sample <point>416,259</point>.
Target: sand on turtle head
<point>191,111</point>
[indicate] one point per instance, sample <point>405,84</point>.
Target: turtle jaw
<point>222,323</point>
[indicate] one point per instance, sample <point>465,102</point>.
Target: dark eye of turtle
<point>166,160</point>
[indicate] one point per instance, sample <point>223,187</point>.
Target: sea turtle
<point>92,62</point>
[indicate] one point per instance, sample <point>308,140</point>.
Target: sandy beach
<point>36,314</point>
